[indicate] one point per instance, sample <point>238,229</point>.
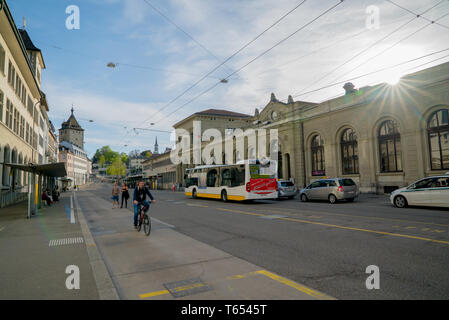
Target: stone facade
<point>380,136</point>
<point>21,65</point>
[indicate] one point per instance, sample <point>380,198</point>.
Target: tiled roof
<point>27,41</point>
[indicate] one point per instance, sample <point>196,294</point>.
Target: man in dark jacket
<point>140,194</point>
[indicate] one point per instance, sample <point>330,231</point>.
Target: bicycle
<point>145,220</point>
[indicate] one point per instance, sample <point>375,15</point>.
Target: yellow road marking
<point>242,212</point>
<point>153,294</point>
<point>366,230</point>
<point>352,216</point>
<point>340,227</point>
<point>197,205</point>
<point>285,281</point>
<point>297,286</point>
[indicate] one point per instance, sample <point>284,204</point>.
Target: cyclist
<point>140,194</point>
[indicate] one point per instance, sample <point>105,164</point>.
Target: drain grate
<point>64,242</point>
<point>187,287</point>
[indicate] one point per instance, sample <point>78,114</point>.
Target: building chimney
<point>349,88</point>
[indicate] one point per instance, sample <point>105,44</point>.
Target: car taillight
<point>248,189</point>
<point>340,189</point>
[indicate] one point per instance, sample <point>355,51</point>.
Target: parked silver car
<point>287,189</point>
<point>333,190</point>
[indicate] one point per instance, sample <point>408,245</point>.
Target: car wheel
<point>194,194</point>
<point>304,198</point>
<point>400,202</point>
<point>332,198</point>
<point>224,196</point>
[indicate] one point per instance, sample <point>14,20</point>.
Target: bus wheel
<point>194,194</point>
<point>224,196</point>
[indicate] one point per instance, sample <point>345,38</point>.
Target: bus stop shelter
<point>55,170</point>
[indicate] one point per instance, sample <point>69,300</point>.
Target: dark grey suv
<point>333,190</point>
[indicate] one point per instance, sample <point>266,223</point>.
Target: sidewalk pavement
<point>36,252</point>
<point>170,265</point>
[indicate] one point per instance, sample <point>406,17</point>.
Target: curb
<point>103,280</point>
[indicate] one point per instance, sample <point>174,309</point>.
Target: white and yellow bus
<point>246,180</point>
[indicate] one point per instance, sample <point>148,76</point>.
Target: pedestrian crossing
<point>66,241</point>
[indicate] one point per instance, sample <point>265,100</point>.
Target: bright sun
<point>393,79</point>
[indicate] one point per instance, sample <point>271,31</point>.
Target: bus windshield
<point>261,171</point>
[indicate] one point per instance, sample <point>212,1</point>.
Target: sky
<point>157,60</point>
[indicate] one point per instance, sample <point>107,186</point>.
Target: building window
<point>1,105</point>
<point>22,127</point>
<point>11,75</point>
<point>438,135</point>
<point>349,152</point>
<point>390,147</point>
<point>16,121</point>
<point>318,165</point>
<point>9,110</point>
<point>30,106</point>
<point>27,133</point>
<point>2,60</point>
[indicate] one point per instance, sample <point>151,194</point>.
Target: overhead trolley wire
<point>259,56</point>
<point>369,47</point>
<point>230,57</point>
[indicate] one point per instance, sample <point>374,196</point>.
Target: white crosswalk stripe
<point>66,241</point>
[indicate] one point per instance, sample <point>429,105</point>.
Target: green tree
<point>124,158</point>
<point>108,154</point>
<point>116,168</point>
<point>102,161</point>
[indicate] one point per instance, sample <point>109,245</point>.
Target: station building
<point>382,136</point>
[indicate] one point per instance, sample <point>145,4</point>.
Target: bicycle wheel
<point>139,225</point>
<point>147,224</point>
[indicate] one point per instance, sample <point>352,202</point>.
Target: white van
<point>430,191</point>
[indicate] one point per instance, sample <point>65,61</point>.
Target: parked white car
<point>430,191</point>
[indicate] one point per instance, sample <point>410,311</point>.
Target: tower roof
<point>71,123</point>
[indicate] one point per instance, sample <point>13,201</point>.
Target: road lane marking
<point>72,214</point>
<point>64,242</point>
<point>342,227</point>
<point>366,230</point>
<point>297,286</point>
<point>197,205</point>
<point>164,223</point>
<point>281,210</point>
<point>241,212</point>
<point>267,274</point>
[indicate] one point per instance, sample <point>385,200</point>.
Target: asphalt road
<point>325,247</point>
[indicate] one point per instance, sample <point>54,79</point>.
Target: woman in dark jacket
<point>125,195</point>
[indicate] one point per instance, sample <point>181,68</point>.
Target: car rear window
<point>347,182</point>
<point>287,184</point>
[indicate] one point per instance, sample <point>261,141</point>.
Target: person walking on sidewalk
<point>115,194</point>
<point>125,195</point>
<point>140,194</point>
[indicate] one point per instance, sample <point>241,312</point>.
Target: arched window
<point>349,152</point>
<point>438,134</point>
<point>390,147</point>
<point>317,148</point>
